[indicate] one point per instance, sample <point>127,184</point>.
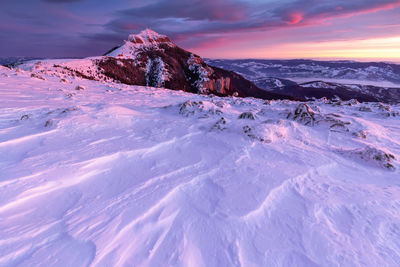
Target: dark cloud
<point>186,21</point>
<point>212,16</point>
<point>62,1</point>
<point>211,10</point>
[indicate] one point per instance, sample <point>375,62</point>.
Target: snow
<point>203,72</point>
<point>137,42</point>
<point>64,68</point>
<point>345,72</point>
<point>278,83</point>
<point>384,84</point>
<point>147,36</point>
<point>156,67</point>
<point>117,175</point>
<point>319,84</point>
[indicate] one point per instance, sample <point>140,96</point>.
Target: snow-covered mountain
<point>15,60</point>
<point>307,78</point>
<point>99,173</point>
<point>319,89</point>
<point>152,59</point>
<point>368,72</point>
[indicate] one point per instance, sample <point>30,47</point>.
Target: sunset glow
<point>216,29</point>
<point>369,49</point>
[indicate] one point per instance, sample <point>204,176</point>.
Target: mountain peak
<point>137,43</point>
<point>147,37</point>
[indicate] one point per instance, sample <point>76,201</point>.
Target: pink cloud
<point>343,12</point>
<point>294,18</point>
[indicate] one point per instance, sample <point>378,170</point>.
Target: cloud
<point>188,22</point>
<point>62,1</point>
<point>210,10</point>
<point>294,18</point>
<point>225,16</point>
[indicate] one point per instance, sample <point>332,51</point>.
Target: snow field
<point>116,175</point>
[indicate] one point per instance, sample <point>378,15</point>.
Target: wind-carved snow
<point>140,176</point>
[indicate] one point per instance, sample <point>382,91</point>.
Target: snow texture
<point>118,175</point>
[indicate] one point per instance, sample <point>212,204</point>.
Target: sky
<point>325,29</point>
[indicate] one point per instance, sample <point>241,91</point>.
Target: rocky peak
<point>137,43</point>
<point>148,37</point>
<point>152,59</point>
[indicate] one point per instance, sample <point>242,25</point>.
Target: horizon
<point>360,60</point>
<point>224,29</point>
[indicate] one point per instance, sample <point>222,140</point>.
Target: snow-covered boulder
<point>373,156</point>
<point>199,108</point>
<point>303,114</point>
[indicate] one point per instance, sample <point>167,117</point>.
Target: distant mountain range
<point>7,61</point>
<point>255,69</point>
<point>374,81</point>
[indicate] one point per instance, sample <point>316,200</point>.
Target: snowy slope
<point>105,174</point>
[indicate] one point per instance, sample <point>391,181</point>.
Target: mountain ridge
<point>315,79</point>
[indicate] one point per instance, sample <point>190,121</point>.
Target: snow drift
<point>107,174</point>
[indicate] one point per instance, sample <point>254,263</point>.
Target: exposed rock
<point>372,155</point>
<point>360,134</point>
<point>68,110</point>
<point>386,110</point>
<point>25,117</point>
<point>37,76</point>
<point>199,108</point>
<point>253,135</point>
<point>365,109</point>
<point>69,95</point>
<point>303,114</point>
<point>247,115</point>
<point>220,124</point>
<point>339,127</point>
<point>49,123</point>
